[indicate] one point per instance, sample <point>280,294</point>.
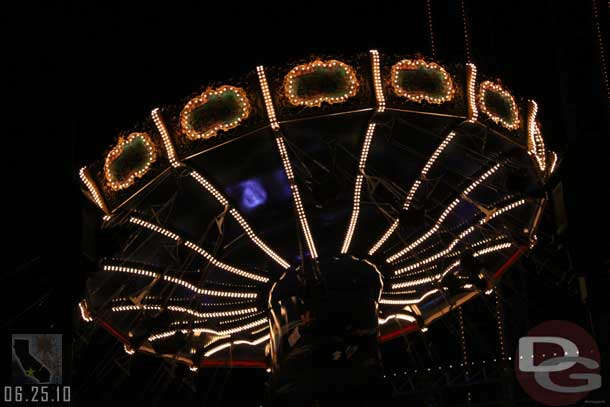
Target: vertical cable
<point>430,28</point>
<point>464,351</point>
<point>600,45</point>
<point>500,321</point>
<point>466,34</point>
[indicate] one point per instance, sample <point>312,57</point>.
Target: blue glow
<point>252,194</point>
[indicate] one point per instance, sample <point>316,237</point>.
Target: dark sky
<point>75,74</point>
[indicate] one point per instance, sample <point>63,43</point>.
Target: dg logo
<point>558,363</point>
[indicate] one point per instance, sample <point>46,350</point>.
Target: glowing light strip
<point>167,141</point>
<point>443,216</point>
<point>296,197</point>
<point>487,250</point>
<point>501,211</point>
<point>482,252</point>
<point>230,321</point>
<point>224,266</point>
<point>237,216</point>
<point>175,308</point>
<point>245,327</point>
<point>471,95</point>
<point>412,191</point>
<point>461,236</point>
<point>256,240</point>
<point>535,143</point>
<point>262,79</point>
<point>92,188</point>
<point>492,249</point>
<point>198,250</point>
<point>238,342</point>
<point>383,321</point>
<point>189,321</point>
<point>553,162</point>
<point>403,302</point>
<point>377,80</point>
<point>417,272</point>
<point>217,349</point>
<point>175,280</point>
<point>231,331</point>
<point>84,311</point>
<point>154,228</point>
<point>358,188</point>
<point>209,187</point>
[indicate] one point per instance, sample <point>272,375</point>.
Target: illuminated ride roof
<point>432,173</point>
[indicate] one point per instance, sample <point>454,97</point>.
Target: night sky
<point>75,75</point>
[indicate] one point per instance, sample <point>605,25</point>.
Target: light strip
<point>189,321</point>
<point>209,187</point>
<point>487,250</point>
<point>175,308</point>
<point>224,266</point>
<point>492,249</point>
<point>154,228</point>
<point>383,321</point>
<point>286,161</point>
<point>461,236</point>
<point>92,188</point>
<point>230,321</point>
<point>377,80</point>
<point>238,342</point>
<point>535,143</point>
<point>231,331</point>
<point>482,252</point>
<point>553,162</point>
<point>296,196</point>
<point>262,79</point>
<point>244,327</point>
<point>443,215</point>
<point>84,311</point>
<point>198,250</point>
<point>167,141</point>
<point>175,280</point>
<point>237,216</point>
<point>257,241</point>
<point>358,187</point>
<point>413,190</point>
<point>471,89</point>
<point>409,302</point>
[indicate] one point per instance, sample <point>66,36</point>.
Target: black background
<point>76,74</point>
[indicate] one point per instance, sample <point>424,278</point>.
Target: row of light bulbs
<point>176,308</point>
<point>443,215</point>
<point>377,84</point>
<point>240,220</point>
<point>199,250</point>
<point>460,237</point>
<point>366,145</point>
<point>177,281</point>
<point>413,190</point>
